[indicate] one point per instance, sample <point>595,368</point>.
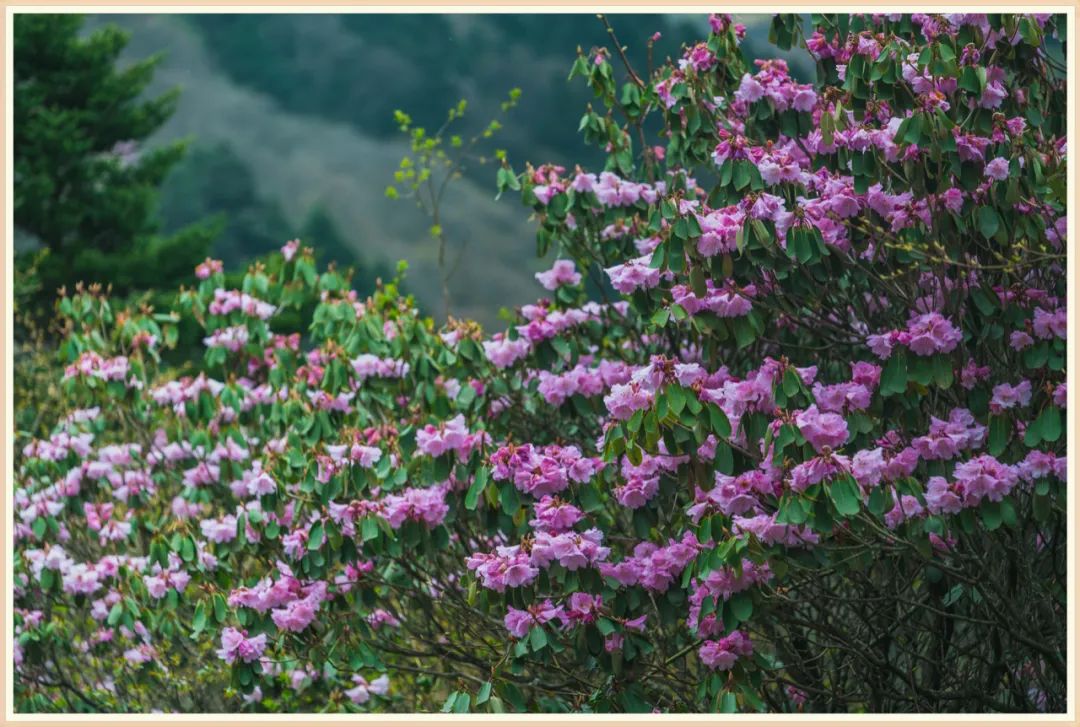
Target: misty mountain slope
<point>303,161</point>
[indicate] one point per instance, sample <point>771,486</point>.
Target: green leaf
<point>724,459</point>
<point>538,638</point>
<point>728,705</point>
<point>876,503</point>
<point>744,332</point>
<point>988,221</point>
<point>895,374</point>
<point>943,371</point>
<point>1008,512</point>
<point>792,383</point>
<point>742,606</point>
<point>991,514</point>
<point>697,281</point>
<point>187,549</point>
<point>741,174</point>
<point>845,495</point>
<point>115,613</point>
<point>1049,424</point>
<point>969,80</point>
<point>998,437</point>
<point>315,537</point>
<point>1029,32</point>
<point>198,621</point>
<point>479,483</point>
<point>983,302</point>
<point>508,498</point>
<point>448,705</point>
<point>719,422</point>
<point>369,529</point>
<point>484,694</point>
<point>464,701</point>
<point>221,609</point>
<point>676,399</point>
<point>792,510</point>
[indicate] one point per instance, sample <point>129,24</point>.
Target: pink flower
<point>207,268</point>
<point>723,653</point>
<point>297,615</point>
<point>905,507</point>
<point>561,273</point>
<point>555,515</point>
<point>1019,340</point>
<point>1006,396</point>
<point>289,249</point>
<point>572,550</point>
<point>236,645</point>
<point>932,333</point>
<point>221,530</point>
<point>503,352</point>
<point>582,608</point>
<point>1049,325</point>
<point>507,566</point>
<point>625,399</point>
<point>418,504</point>
<point>227,301</point>
<point>822,429</point>
<point>881,344</point>
<point>542,471</point>
<point>942,498</point>
<point>633,274</point>
<point>450,435</point>
<point>363,689</point>
<point>519,622</point>
<point>997,169</point>
<point>946,439</point>
<point>722,584</point>
<point>652,566</point>
<point>984,476</point>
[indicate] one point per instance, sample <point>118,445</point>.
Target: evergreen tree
<point>85,187</point>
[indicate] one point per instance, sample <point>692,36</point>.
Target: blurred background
<point>287,124</point>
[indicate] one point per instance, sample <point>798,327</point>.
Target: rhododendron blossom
<point>782,429</point>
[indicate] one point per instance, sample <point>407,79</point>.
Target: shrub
<point>806,453</point>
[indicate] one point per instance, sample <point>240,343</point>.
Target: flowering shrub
<point>806,453</point>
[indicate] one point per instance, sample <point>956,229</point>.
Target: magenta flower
<point>507,566</point>
<point>563,272</point>
<point>997,168</point>
<point>450,435</point>
<point>503,353</point>
<point>932,333</point>
<point>519,622</point>
<point>633,274</point>
<point>822,429</point>
<point>722,654</point>
<point>1006,396</point>
<point>362,689</point>
<point>236,645</point>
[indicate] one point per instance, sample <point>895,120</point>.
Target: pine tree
<point>86,189</point>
